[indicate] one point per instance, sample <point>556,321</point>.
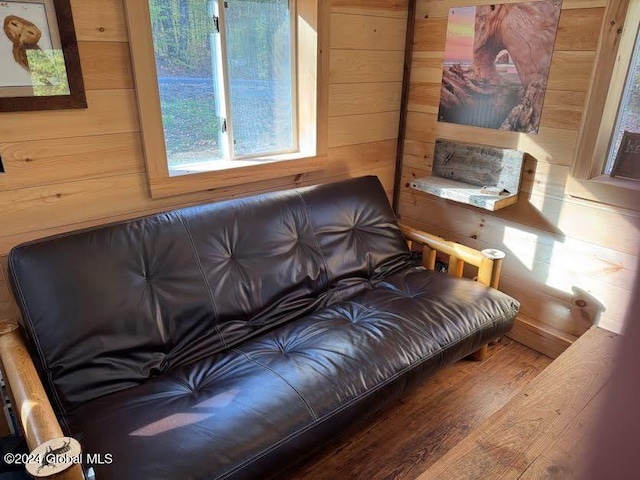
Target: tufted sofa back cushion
<point>356,230</point>
<point>260,266</point>
<point>103,307</point>
<point>107,308</point>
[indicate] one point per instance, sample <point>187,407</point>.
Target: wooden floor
<point>412,434</point>
<point>547,429</point>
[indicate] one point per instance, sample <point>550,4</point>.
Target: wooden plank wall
<point>570,262</point>
<point>71,169</point>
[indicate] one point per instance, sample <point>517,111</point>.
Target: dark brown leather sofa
<point>231,340</point>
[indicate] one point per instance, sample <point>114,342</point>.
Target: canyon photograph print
<point>496,64</point>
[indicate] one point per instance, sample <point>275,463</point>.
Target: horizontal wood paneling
<point>424,97</point>
<point>562,109</point>
<point>99,21</point>
<point>544,178</point>
<point>566,284</point>
<point>73,202</point>
<point>417,162</point>
<point>382,8</point>
<point>430,34</point>
<point>366,66</point>
<point>361,156</point>
<point>105,65</point>
<point>426,67</point>
<point>579,29</point>
<point>43,162</point>
<point>536,253</point>
<point>5,296</point>
<point>352,129</point>
<point>8,308</point>
<point>359,98</point>
<point>571,71</point>
<point>110,111</point>
<point>421,151</point>
<point>360,32</point>
<point>548,217</point>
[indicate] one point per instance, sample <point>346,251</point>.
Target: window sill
<point>208,176</point>
<point>618,192</point>
<point>218,165</point>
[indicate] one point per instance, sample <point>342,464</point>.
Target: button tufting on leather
<point>355,317</point>
<point>184,387</point>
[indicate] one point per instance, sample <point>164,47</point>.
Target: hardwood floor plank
<point>521,432</point>
<point>564,457</point>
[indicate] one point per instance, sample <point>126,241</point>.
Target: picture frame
<point>39,57</point>
<point>627,162</point>
<point>491,77</point>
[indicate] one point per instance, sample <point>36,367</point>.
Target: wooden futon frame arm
<point>488,262</point>
<point>31,405</point>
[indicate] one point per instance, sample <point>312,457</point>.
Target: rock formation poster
<point>496,64</point>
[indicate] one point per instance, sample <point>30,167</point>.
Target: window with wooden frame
<point>604,107</point>
<point>229,91</point>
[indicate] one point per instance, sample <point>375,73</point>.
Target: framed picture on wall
<point>627,163</point>
<point>496,64</point>
<point>39,62</point>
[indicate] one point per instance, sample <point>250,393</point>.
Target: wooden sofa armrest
<point>32,408</point>
<point>488,262</point>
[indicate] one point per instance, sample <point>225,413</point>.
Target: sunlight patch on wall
<point>514,239</point>
<point>587,289</point>
<point>527,144</point>
<point>562,274</point>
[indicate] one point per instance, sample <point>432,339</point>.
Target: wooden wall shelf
<point>485,177</point>
<point>462,192</point>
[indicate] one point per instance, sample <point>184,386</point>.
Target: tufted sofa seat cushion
<point>217,417</point>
